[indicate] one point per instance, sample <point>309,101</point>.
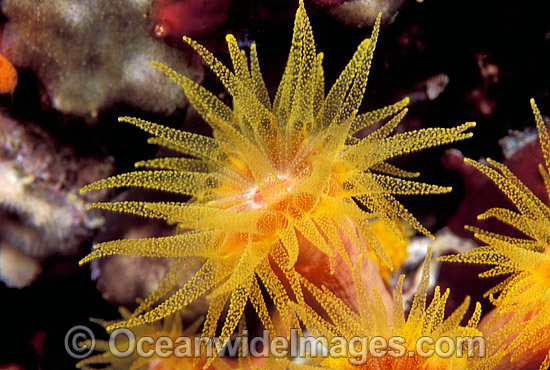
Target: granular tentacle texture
<point>275,176</point>
<point>522,300</point>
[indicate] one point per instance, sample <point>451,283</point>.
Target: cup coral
<point>181,356</point>
<point>374,321</point>
<point>276,171</point>
<point>523,298</point>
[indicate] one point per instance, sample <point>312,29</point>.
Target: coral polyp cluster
<point>275,172</point>
<point>424,323</point>
<point>275,216</point>
<point>522,299</point>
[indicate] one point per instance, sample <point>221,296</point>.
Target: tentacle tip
<point>187,40</point>
<point>91,206</point>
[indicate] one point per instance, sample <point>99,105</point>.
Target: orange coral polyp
<point>411,363</point>
<point>522,306</point>
<point>258,199</point>
<point>271,159</point>
<point>268,222</point>
<point>424,320</point>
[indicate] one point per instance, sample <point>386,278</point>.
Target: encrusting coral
<point>363,13</point>
<point>374,321</point>
<point>91,54</point>
<point>522,300</point>
<point>274,173</point>
<point>41,211</point>
<point>17,270</point>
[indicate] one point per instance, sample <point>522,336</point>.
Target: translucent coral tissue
<point>275,172</point>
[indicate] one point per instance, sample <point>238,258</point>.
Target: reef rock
<point>41,209</point>
<point>17,270</point>
<point>90,54</point>
<point>363,13</point>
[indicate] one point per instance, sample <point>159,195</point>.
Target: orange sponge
<point>8,76</point>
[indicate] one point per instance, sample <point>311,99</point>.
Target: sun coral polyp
<point>183,353</point>
<point>394,246</point>
<point>295,153</point>
<point>425,324</point>
<point>523,298</point>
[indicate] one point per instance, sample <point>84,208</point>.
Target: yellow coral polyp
<point>187,357</point>
<point>273,170</point>
<point>525,293</point>
<point>373,321</point>
<point>395,248</point>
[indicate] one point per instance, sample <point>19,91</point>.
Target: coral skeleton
<point>523,297</point>
<point>275,172</point>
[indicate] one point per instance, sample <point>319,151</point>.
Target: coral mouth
<point>256,199</point>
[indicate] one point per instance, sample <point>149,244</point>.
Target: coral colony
<point>285,180</point>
